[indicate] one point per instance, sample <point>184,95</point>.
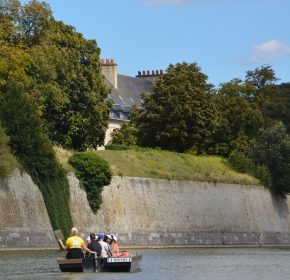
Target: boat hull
<point>111,264</point>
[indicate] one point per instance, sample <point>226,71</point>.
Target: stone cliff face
<point>24,221</point>
<point>145,211</point>
<point>148,211</point>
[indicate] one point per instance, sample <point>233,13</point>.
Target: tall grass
<point>168,165</point>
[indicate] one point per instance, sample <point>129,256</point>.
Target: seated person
<point>106,249</point>
<point>114,246</point>
<point>74,246</point>
<point>94,245</point>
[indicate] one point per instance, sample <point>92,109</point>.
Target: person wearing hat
<point>106,250</point>
<point>74,246</point>
<point>114,245</point>
<point>108,239</point>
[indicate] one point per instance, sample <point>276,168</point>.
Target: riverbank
<point>161,247</point>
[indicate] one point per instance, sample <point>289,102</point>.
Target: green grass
<point>62,156</point>
<point>167,165</point>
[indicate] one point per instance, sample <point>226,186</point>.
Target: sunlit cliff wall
<point>147,211</point>
<point>24,221</point>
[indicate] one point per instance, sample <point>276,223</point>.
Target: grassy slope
<point>167,165</point>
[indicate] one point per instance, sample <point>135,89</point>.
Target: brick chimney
<point>151,76</point>
<point>110,71</point>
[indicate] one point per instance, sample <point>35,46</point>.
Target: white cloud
<point>268,52</point>
<point>174,2</point>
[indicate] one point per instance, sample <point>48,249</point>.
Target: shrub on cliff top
<point>94,173</point>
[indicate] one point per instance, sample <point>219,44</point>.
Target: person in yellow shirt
<point>74,246</point>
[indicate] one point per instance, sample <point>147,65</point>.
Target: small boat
<point>111,264</point>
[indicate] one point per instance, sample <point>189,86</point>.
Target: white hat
<point>114,237</point>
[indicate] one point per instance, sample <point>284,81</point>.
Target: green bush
<point>94,173</point>
<point>262,173</point>
<point>241,162</point>
<point>244,164</point>
<point>127,135</point>
<point>8,162</point>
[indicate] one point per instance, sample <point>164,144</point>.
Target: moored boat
<point>110,264</point>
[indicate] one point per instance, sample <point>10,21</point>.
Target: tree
<point>262,90</point>
<point>34,19</point>
<point>238,118</point>
<point>125,136</point>
<point>179,115</point>
<point>60,72</point>
<point>271,148</point>
<point>9,17</point>
<point>69,88</point>
<point>280,105</point>
<point>261,77</point>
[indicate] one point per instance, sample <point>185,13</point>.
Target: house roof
<point>127,94</point>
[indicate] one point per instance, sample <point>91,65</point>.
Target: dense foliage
<point>51,88</point>
<point>268,158</point>
<point>59,70</point>
<point>7,161</point>
<point>179,114</point>
<point>35,153</point>
<point>185,114</point>
<point>94,173</point>
<point>271,148</point>
<point>238,118</point>
<point>126,136</point>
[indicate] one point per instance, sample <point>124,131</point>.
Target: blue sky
<point>224,37</point>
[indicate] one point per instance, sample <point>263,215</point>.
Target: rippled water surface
<point>161,264</point>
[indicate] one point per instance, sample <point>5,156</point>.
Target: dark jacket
<point>95,246</point>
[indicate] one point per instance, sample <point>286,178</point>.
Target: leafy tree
<point>179,115</point>
<point>262,88</point>
<point>60,71</point>
<point>271,148</point>
<point>279,108</point>
<point>127,135</point>
<point>70,89</point>
<point>238,118</point>
<point>261,77</point>
<point>34,20</point>
<point>9,18</point>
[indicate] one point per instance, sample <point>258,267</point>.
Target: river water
<point>161,264</point>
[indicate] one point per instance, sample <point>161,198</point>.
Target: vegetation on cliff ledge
<point>154,163</point>
<point>8,162</point>
<point>94,173</point>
